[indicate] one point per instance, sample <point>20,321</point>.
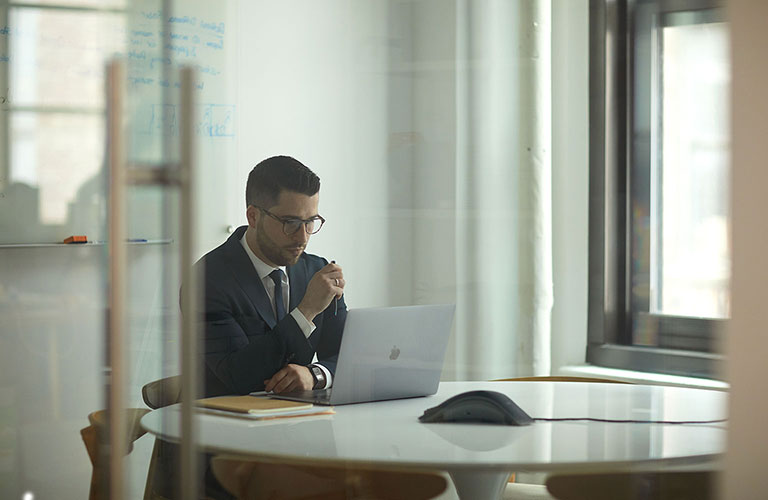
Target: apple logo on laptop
<point>394,353</point>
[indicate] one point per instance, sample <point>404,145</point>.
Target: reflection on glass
<point>54,114</point>
<point>43,157</point>
<point>692,257</point>
<point>52,297</point>
<point>57,57</point>
<point>464,438</point>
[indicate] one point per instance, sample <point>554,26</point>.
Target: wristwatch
<point>318,375</point>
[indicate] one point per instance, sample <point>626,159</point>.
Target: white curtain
<point>429,123</point>
<point>500,217</point>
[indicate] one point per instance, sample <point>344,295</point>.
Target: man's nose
<point>301,236</point>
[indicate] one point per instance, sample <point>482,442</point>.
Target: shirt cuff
<point>307,327</point>
<point>328,376</point>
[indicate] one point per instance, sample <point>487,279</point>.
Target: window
<point>659,185</point>
<point>53,55</point>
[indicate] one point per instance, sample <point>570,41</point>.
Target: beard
<point>280,256</point>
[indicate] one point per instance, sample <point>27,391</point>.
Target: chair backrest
<point>254,479</point>
<point>98,421</point>
<point>93,437</point>
<point>678,485</point>
<point>163,392</point>
<point>559,378</point>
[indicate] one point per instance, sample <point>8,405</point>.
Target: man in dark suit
<point>252,340</point>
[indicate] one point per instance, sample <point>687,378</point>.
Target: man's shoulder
<point>217,253</point>
<point>223,253</point>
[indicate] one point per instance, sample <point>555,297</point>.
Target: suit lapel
<point>247,278</point>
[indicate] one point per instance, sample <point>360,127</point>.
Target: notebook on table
<point>251,404</point>
<point>258,407</point>
<point>386,353</point>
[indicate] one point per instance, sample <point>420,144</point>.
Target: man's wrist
<point>306,312</point>
<point>306,326</point>
<point>318,376</point>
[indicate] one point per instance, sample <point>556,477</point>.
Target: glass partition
<point>57,349</point>
<point>451,143</point>
<point>428,123</point>
<point>52,294</point>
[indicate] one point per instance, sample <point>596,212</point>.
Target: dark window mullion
<point>620,203</point>
<point>616,168</point>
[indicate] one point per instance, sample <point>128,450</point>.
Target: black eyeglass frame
<point>292,220</point>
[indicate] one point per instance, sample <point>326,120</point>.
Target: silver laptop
<point>386,353</point>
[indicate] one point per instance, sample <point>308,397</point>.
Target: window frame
<point>684,346</point>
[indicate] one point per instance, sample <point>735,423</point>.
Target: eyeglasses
<point>291,224</point>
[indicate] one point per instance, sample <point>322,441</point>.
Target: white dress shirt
<point>307,327</point>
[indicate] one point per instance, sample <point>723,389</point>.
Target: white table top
<point>389,433</point>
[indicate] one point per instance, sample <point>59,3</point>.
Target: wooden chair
<point>252,479</point>
<point>162,393</point>
<point>93,437</point>
<point>158,394</point>
<point>664,485</point>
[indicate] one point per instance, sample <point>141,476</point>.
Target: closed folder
<point>253,405</point>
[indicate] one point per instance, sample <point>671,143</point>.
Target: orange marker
<point>76,239</point>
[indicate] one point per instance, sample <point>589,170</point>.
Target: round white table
<point>480,457</point>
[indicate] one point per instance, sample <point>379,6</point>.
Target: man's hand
<point>290,378</point>
<point>327,284</point>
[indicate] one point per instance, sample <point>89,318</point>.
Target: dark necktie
<point>277,277</point>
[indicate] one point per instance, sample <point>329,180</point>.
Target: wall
<point>747,344</point>
<point>366,97</point>
<point>315,84</point>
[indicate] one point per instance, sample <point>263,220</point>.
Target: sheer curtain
<point>429,123</point>
<point>494,237</point>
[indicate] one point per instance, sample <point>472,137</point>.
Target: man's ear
<point>252,214</point>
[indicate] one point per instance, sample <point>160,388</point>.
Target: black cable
<point>612,421</point>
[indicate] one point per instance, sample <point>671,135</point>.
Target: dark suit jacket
<point>243,344</point>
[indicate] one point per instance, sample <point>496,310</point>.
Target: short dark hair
<point>273,175</point>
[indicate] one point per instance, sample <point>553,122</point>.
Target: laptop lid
<point>391,353</point>
<point>387,353</point>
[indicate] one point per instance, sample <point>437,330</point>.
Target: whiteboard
<point>52,113</point>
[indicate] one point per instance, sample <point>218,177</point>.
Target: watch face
<point>318,375</point>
